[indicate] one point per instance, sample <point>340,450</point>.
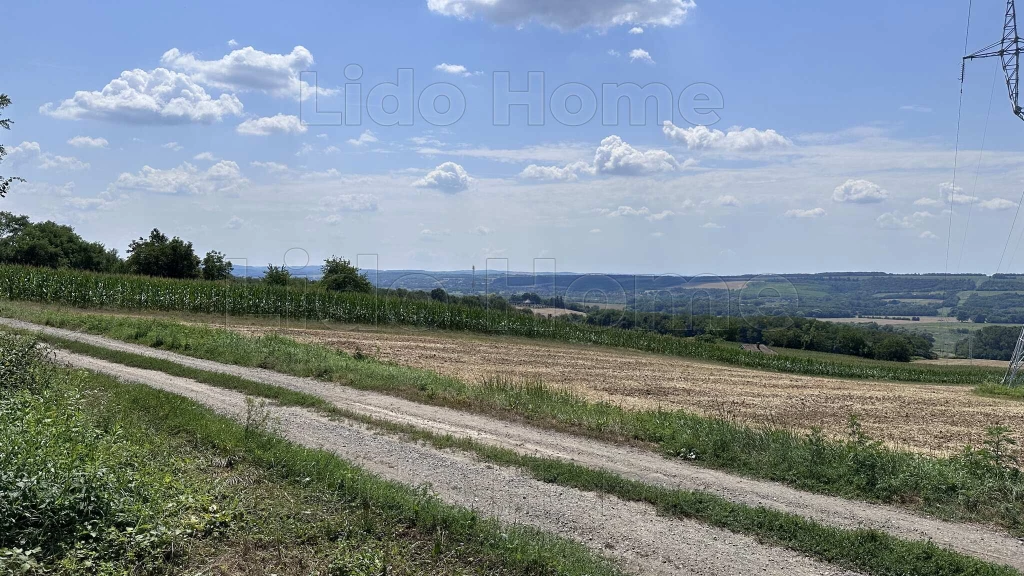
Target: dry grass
<point>927,418</point>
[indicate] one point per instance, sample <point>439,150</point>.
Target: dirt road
<point>626,461</point>
<point>644,542</point>
<point>925,418</point>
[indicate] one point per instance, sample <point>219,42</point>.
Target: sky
<point>627,136</point>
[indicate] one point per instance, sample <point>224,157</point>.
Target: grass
<point>975,485</point>
<point>102,477</point>
<point>866,551</point>
<point>135,293</point>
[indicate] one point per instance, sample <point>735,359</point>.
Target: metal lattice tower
<point>1008,49</point>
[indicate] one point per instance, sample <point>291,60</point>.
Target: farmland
<point>92,290</point>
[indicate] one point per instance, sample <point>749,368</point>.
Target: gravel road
<point>634,534</point>
<point>629,462</point>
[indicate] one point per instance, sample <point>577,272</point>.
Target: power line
<point>977,173</point>
<point>956,152</point>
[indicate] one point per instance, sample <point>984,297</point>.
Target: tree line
<point>864,340</point>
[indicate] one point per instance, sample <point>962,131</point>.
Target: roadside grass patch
<point>102,477</point>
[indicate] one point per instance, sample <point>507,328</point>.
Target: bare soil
<point>921,417</point>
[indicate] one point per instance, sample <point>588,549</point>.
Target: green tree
<point>439,295</point>
<point>161,256</point>
<point>340,275</point>
<point>893,349</point>
<point>277,275</point>
<point>51,245</point>
<point>5,123</point>
<point>215,267</point>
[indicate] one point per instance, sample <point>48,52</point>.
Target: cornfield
<point>91,290</point>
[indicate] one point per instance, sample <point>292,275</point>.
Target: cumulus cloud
<point>564,15</point>
<point>88,142</point>
<point>27,152</point>
<point>366,137</point>
<point>859,192</point>
<point>205,156</point>
<point>454,69</point>
<point>568,173</point>
<point>735,140</point>
<point>927,235</point>
<point>893,220</point>
<point>808,213</point>
<point>644,212</point>
<point>448,177</point>
<point>272,167</point>
<point>641,55</point>
<point>234,223</point>
<point>172,146</point>
<point>248,70</point>
<point>636,30</point>
<point>728,200</point>
<point>997,204</point>
<point>279,124</point>
<point>223,177</point>
<point>159,96</point>
<point>614,156</point>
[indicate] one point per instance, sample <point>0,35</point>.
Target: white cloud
<point>728,200</point>
<point>810,213</point>
<point>859,192</point>
<point>595,230</point>
<point>927,235</point>
<point>565,15</point>
<point>915,108</point>
<point>481,231</point>
<point>614,53</point>
<point>569,173</point>
<point>712,226</point>
<point>205,156</point>
<point>223,177</point>
<point>26,151</point>
<point>614,156</point>
<point>90,204</point>
<point>232,43</point>
<point>629,211</point>
<point>641,55</point>
<point>448,177</point>
<point>234,223</point>
<point>366,137</point>
<point>932,202</point>
<point>350,203</point>
<point>272,167</point>
<point>88,142</point>
<point>893,220</point>
<point>433,235</point>
<point>636,30</point>
<point>160,96</point>
<point>172,146</point>
<point>997,204</point>
<point>454,69</point>
<point>735,140</point>
<point>248,70</point>
<point>279,124</point>
<point>333,149</point>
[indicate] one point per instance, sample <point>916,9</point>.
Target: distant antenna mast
<point>1008,49</point>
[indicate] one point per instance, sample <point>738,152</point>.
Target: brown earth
<point>920,417</point>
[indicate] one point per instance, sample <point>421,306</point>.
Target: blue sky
<point>833,148</point>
